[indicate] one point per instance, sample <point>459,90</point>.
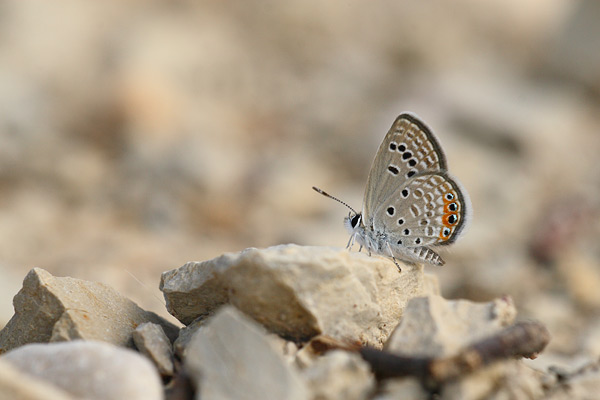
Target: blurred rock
<point>90,370</point>
<point>151,340</point>
<point>579,273</point>
<point>313,349</point>
<point>233,358</point>
<point>405,389</point>
<point>435,327</point>
<point>340,375</point>
<point>506,380</point>
<point>576,55</point>
<point>15,384</point>
<point>185,335</point>
<point>51,309</point>
<point>583,383</point>
<point>299,292</point>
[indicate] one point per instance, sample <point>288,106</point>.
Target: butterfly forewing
<point>431,208</point>
<point>409,148</point>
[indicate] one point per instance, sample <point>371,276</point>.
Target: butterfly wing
<point>409,148</point>
<point>431,208</point>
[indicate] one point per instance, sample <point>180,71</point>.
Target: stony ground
<point>136,137</point>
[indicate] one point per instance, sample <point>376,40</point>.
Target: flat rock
<point>151,340</point>
<point>232,357</point>
<point>90,370</point>
<point>50,309</point>
<point>299,292</point>
<point>435,327</point>
<point>14,384</point>
<point>340,375</point>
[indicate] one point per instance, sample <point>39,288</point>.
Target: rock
<point>404,388</point>
<point>299,292</point>
<point>15,384</point>
<point>232,358</point>
<point>90,370</point>
<point>582,383</point>
<point>435,327</point>
<point>151,340</point>
<point>287,348</point>
<point>185,336</point>
<point>340,375</point>
<point>507,380</point>
<point>319,345</point>
<point>510,379</point>
<point>50,309</point>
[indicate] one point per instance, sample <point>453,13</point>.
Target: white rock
<point>15,384</point>
<point>91,370</point>
<point>340,375</point>
<point>53,309</point>
<point>436,327</point>
<point>232,357</point>
<point>299,292</point>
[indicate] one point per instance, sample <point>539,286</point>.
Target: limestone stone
<point>232,357</point>
<point>151,340</point>
<point>15,384</point>
<point>435,327</point>
<point>299,292</point>
<point>340,375</point>
<point>50,309</point>
<point>89,369</point>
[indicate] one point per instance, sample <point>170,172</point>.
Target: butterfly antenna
<point>316,189</point>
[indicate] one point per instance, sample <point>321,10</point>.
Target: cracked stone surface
<point>299,291</point>
<point>52,309</point>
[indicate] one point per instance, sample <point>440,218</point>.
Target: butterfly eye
<point>355,220</point>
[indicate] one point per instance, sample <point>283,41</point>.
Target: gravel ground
<point>137,136</point>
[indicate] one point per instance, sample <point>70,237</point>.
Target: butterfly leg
<point>393,258</point>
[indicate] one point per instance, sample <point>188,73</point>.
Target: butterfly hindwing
<point>431,208</point>
<point>409,148</point>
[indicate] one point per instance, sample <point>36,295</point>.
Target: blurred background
<point>136,136</point>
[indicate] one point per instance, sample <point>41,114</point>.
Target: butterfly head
<point>352,222</point>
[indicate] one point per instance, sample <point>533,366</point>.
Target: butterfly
<point>411,202</point>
